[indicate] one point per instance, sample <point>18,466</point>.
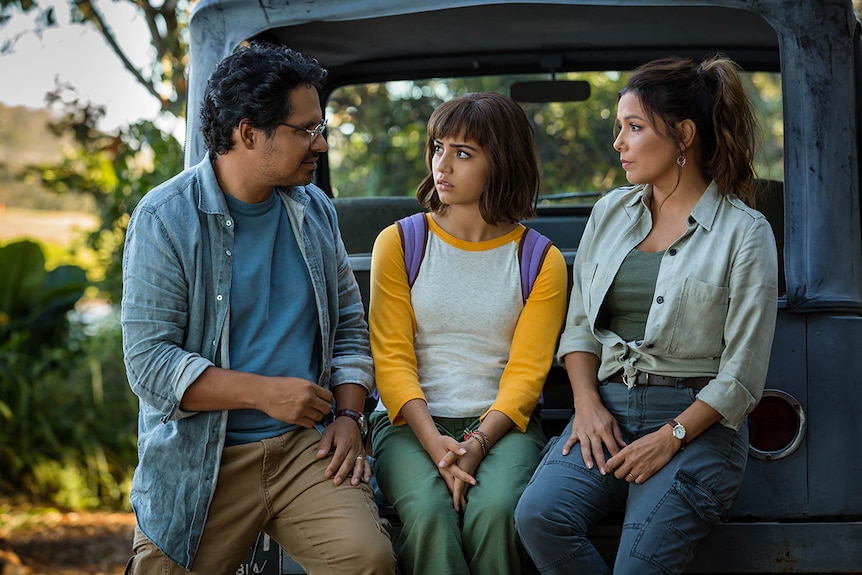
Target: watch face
<point>363,424</point>
<point>679,432</point>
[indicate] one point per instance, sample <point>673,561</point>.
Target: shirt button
<point>228,223</point>
<point>219,297</point>
<point>659,299</point>
<point>671,251</point>
<point>227,252</point>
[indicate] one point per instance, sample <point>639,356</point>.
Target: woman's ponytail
<point>734,127</point>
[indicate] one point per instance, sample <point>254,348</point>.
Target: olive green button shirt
<point>715,302</point>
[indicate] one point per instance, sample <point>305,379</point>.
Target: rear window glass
<point>376,134</point>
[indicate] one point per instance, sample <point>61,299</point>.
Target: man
<point>243,332</point>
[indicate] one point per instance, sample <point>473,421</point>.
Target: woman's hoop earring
<point>680,160</point>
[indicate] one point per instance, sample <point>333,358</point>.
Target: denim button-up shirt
<point>715,303</point>
<point>175,317</point>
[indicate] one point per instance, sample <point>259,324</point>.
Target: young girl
<point>668,333</point>
<point>461,356</point>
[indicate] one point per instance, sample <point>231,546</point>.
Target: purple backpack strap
<point>531,254</point>
<point>413,230</point>
<point>414,235</point>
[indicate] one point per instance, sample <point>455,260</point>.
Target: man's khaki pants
<point>277,486</point>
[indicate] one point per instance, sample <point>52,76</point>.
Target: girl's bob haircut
<point>501,128</point>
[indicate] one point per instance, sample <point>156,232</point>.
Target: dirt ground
<point>55,543</point>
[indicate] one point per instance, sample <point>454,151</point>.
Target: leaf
<point>23,265</point>
<point>33,302</point>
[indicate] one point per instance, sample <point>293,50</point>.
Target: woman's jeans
<point>665,517</point>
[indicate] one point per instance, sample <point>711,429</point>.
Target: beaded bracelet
<point>481,437</point>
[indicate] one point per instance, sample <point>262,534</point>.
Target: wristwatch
<point>678,432</point>
<point>357,416</point>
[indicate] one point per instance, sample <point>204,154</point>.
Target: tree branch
<point>89,12</point>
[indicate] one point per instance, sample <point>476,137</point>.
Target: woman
<point>668,332</point>
<point>460,355</point>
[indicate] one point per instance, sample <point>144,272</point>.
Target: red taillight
<point>776,426</point>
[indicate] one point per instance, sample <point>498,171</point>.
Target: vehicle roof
<point>539,36</point>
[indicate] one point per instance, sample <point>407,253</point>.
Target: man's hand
<point>296,400</point>
<point>288,399</point>
<point>344,441</point>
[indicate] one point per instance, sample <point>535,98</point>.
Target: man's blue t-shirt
<point>273,321</point>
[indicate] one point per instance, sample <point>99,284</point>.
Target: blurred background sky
<point>79,56</point>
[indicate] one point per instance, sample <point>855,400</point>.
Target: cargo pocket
<point>681,519</point>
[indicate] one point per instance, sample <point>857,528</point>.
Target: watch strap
<point>355,415</point>
<point>673,425</point>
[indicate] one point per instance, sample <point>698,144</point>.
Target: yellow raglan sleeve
<point>392,325</point>
<point>534,342</point>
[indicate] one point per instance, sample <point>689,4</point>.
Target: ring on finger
<point>360,457</point>
<point>631,476</point>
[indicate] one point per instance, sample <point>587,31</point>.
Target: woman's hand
<point>454,464</point>
<point>593,426</point>
<point>642,458</point>
<point>595,429</point>
<point>463,468</point>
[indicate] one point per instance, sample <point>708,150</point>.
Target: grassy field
<point>60,234</point>
<point>54,227</point>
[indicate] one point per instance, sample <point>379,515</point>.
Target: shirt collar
<point>704,212</point>
<point>210,196</point>
<point>706,209</point>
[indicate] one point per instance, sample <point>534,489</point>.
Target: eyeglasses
<point>314,132</point>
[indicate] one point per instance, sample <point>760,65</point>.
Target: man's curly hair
<point>253,83</point>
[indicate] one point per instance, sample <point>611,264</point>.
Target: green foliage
<point>24,140</point>
<point>377,134</point>
<point>33,301</point>
<point>766,91</point>
<point>67,415</point>
<point>68,435</point>
<point>575,140</point>
<point>68,418</point>
<point>114,170</point>
<point>377,137</point>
